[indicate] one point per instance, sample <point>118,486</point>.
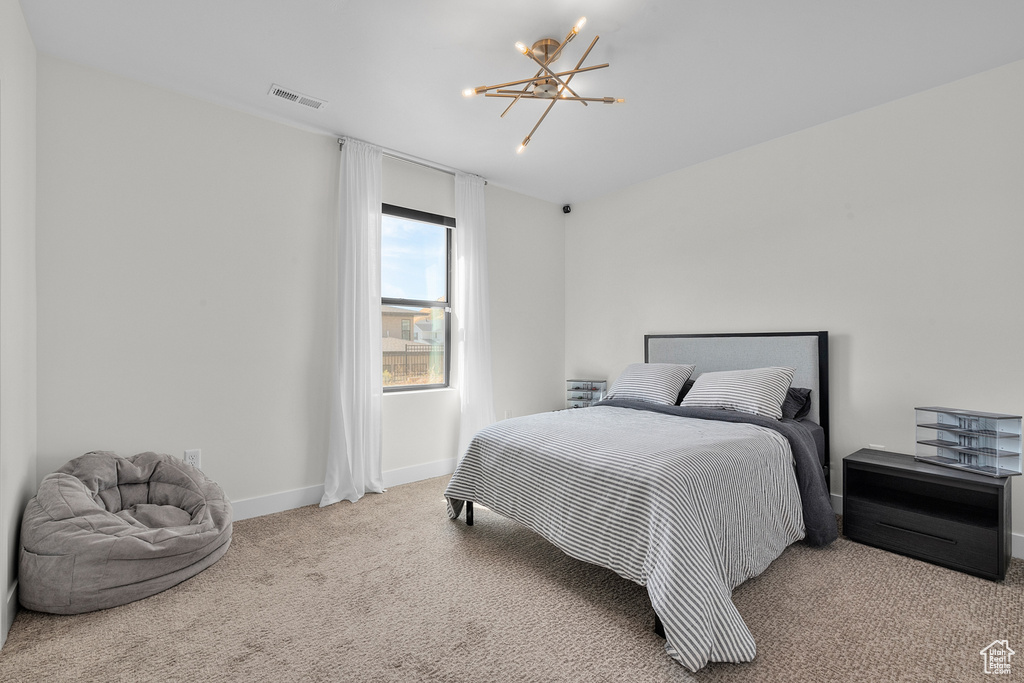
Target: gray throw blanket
<point>819,518</point>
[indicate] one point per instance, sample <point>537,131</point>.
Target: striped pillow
<point>760,391</point>
<point>651,382</point>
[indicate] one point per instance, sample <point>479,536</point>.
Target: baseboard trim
<point>428,470</point>
<point>1017,540</point>
<point>10,611</point>
<point>276,502</point>
<point>311,495</point>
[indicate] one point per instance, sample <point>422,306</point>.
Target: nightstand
<point>948,517</point>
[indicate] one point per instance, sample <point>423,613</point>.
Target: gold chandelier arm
<point>554,55</point>
<point>526,140</point>
<point>531,96</point>
<point>583,58</point>
<point>522,93</point>
<point>529,53</point>
<point>605,100</point>
<point>541,119</point>
<point>538,77</point>
<point>580,63</point>
<point>568,38</point>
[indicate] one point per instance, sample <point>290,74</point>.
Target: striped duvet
<point>688,508</point>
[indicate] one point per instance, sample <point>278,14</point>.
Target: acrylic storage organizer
<point>581,393</point>
<point>970,440</point>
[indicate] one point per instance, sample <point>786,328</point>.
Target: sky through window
<point>413,259</point>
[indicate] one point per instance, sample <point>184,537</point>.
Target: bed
<point>688,500</point>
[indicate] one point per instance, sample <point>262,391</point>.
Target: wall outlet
<point>194,457</point>
<point>508,414</point>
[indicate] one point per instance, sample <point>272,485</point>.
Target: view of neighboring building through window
<point>415,308</point>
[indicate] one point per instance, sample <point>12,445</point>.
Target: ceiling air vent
<point>296,97</point>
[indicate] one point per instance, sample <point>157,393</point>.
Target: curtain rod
<point>401,156</point>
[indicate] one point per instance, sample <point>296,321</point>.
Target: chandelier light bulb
<point>469,92</point>
<point>579,25</point>
<point>526,141</point>
<point>522,48</point>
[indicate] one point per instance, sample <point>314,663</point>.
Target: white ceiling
<point>701,78</point>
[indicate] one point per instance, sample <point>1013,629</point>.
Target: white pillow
<point>651,382</point>
<point>760,391</point>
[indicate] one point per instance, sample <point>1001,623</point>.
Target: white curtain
<point>472,309</point>
<point>354,445</point>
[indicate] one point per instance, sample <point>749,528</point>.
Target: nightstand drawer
<point>961,546</point>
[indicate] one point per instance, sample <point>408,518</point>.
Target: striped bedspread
<point>688,508</point>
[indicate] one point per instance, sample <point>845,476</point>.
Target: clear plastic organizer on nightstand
<point>581,393</point>
<point>971,440</point>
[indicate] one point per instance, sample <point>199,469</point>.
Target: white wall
<point>899,230</point>
<point>17,292</point>
<point>184,289</point>
<point>183,257</point>
<point>526,243</point>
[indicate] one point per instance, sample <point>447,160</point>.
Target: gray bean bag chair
<point>104,531</point>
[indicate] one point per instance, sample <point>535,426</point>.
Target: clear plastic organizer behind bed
<point>581,393</point>
<point>970,440</point>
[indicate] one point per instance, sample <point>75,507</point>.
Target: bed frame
<point>807,352</point>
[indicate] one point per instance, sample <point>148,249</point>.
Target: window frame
<point>446,307</point>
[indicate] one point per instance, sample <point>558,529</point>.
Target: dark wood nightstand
<point>948,517</point>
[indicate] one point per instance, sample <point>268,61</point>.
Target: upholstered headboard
<point>807,352</point>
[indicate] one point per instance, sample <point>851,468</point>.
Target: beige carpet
<point>389,589</point>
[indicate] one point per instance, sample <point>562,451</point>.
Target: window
<point>415,307</point>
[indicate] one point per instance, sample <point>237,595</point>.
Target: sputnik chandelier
<point>545,84</point>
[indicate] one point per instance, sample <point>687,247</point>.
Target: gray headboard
<point>807,352</point>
